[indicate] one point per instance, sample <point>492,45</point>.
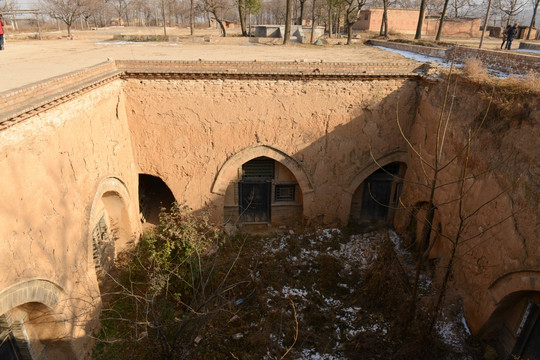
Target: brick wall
<point>459,27</point>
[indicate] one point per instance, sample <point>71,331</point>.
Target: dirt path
<point>28,61</point>
<point>25,62</point>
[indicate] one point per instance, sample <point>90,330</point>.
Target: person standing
<point>512,32</point>
<point>505,35</point>
<point>1,32</point>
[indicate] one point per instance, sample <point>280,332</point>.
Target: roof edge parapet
<point>24,102</point>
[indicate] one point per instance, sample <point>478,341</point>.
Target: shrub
<point>474,68</point>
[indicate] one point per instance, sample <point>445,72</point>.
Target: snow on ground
<point>418,57</point>
<point>447,63</point>
<point>302,255</point>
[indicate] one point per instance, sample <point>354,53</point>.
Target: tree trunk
<point>288,20</point>
<point>220,25</point>
<point>163,18</point>
<point>485,24</point>
<point>312,22</point>
<point>242,18</point>
<point>301,17</point>
<point>330,25</point>
<point>533,20</point>
<point>420,24</point>
<point>191,18</point>
<point>384,22</point>
<point>349,31</point>
<point>441,21</point>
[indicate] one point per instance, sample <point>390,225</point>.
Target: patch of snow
<point>417,57</point>
<point>311,354</point>
<point>534,51</point>
<point>464,322</point>
<point>448,334</point>
<point>288,291</point>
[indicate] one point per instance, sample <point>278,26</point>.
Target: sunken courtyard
<point>87,158</point>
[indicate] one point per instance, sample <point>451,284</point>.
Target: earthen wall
<point>52,166</point>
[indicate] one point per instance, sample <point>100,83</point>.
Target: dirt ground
<point>26,61</point>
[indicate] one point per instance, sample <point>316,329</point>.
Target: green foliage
<point>161,291</point>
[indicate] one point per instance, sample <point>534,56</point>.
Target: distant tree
<point>301,16</point>
<point>510,8</point>
<point>486,20</point>
<point>288,20</point>
<point>420,23</point>
<point>533,20</point>
<point>352,13</point>
<point>241,4</point>
<point>441,21</point>
<point>67,11</point>
<point>253,7</point>
<point>216,8</point>
<point>384,22</point>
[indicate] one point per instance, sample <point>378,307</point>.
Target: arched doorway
<point>154,194</point>
<point>110,224</point>
<point>514,327</point>
<point>265,191</point>
<point>378,195</point>
<point>33,323</point>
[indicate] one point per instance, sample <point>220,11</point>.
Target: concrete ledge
<point>529,45</point>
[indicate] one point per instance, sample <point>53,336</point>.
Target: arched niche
<point>110,226</point>
<point>154,194</point>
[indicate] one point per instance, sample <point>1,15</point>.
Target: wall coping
<point>24,102</point>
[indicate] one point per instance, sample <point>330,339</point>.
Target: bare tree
<point>420,23</point>
<point>301,16</point>
<point>441,21</point>
<point>533,20</point>
<point>352,13</point>
<point>288,20</point>
<point>486,20</point>
<point>241,4</point>
<point>511,8</point>
<point>384,22</point>
<point>67,11</point>
<point>216,8</point>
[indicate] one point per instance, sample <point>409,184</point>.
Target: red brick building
<point>405,20</point>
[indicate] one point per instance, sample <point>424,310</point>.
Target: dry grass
<point>474,68</point>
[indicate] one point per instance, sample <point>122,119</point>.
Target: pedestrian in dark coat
<point>505,35</point>
<point>512,32</point>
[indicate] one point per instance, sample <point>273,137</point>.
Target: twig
<point>295,331</point>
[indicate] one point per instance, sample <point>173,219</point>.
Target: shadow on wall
<point>334,165</point>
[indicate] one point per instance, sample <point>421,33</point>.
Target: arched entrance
<point>154,194</point>
<point>265,191</point>
<point>378,195</point>
<point>110,225</point>
<point>32,325</point>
